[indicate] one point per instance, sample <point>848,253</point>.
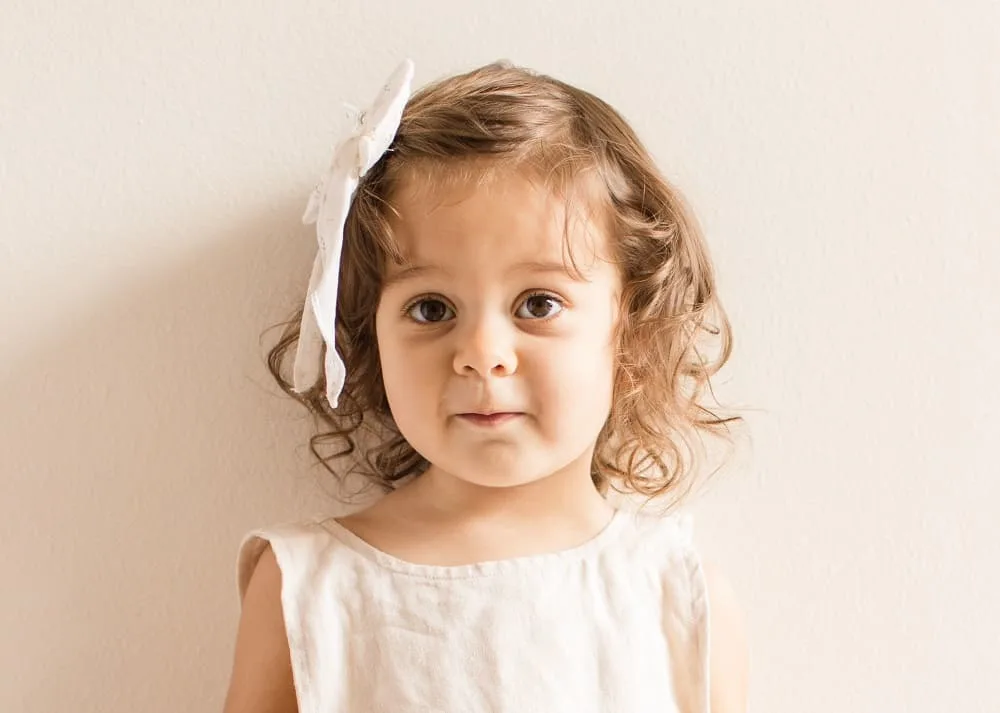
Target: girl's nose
<point>486,347</point>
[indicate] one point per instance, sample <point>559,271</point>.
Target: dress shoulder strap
<point>295,546</point>
<point>668,541</point>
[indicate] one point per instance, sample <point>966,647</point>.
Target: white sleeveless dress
<point>616,625</point>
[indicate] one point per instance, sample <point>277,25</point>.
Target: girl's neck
<point>451,498</point>
<point>568,497</point>
<point>438,518</point>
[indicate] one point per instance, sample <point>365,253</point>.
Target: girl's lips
<point>493,419</point>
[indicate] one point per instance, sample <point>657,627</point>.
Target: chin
<point>495,472</point>
<point>500,481</point>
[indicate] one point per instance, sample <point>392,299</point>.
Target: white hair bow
<point>328,206</point>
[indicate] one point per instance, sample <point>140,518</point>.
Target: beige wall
<point>155,162</point>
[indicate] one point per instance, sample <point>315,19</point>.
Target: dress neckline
<point>486,568</point>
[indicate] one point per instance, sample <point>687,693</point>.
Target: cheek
<point>575,380</point>
<point>390,353</point>
<point>410,378</point>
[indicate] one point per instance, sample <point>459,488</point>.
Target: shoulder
<point>662,534</point>
<point>728,645</point>
<point>261,677</point>
<point>293,545</point>
<point>699,583</point>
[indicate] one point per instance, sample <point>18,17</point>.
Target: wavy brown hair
<point>497,117</point>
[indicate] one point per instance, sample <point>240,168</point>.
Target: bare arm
<point>261,680</point>
<point>729,658</point>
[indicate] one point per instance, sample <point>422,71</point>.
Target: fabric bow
<point>328,206</point>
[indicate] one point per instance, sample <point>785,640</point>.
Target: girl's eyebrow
<point>536,266</point>
<point>409,272</point>
<point>559,268</point>
<point>414,271</point>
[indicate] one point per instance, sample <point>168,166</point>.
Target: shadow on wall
<point>139,444</point>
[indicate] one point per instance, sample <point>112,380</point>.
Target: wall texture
<point>844,159</point>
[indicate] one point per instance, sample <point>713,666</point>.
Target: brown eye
<point>430,310</point>
<point>539,306</point>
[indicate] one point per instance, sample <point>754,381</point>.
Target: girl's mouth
<point>492,419</point>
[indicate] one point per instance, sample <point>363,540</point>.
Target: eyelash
<point>432,297</point>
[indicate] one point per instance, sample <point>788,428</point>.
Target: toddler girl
<point>502,329</point>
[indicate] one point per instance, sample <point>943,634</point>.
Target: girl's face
<point>487,317</point>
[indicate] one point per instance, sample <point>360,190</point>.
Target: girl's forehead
<point>504,215</point>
